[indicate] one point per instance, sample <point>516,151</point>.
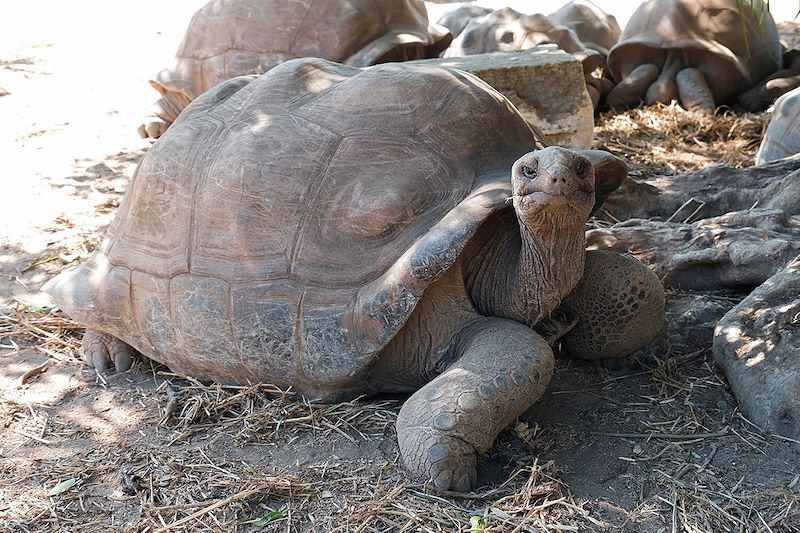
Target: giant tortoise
<point>703,53</point>
<point>229,38</point>
<point>346,232</point>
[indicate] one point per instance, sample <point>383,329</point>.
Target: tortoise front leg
<point>165,111</point>
<point>501,368</point>
<point>781,85</point>
<point>664,90</point>
<point>764,93</point>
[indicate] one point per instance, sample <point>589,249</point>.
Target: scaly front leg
<point>502,368</point>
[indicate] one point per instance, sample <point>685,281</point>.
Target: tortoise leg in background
<point>620,307</point>
<point>165,111</point>
<point>764,93</point>
<point>631,90</point>
<point>779,86</point>
<point>664,90</point>
<point>500,368</point>
<point>694,92</point>
<point>100,350</point>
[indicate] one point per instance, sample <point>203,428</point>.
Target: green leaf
<point>267,518</point>
<point>477,524</point>
<point>63,486</point>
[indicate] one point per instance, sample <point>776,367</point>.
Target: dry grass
<point>261,413</point>
<point>659,140</point>
<point>182,469</point>
<point>50,331</point>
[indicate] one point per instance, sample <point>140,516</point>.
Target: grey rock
<point>709,192</point>
<point>561,108</point>
<point>739,250</point>
<point>757,344</point>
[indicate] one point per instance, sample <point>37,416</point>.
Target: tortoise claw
<point>101,350</point>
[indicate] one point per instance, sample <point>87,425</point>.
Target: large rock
<point>710,192</point>
<point>690,321</point>
<point>737,251</point>
<point>544,83</point>
<point>757,344</point>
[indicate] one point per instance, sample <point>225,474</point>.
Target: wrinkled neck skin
<point>522,271</point>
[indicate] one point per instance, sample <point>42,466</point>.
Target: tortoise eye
<point>582,168</point>
<point>531,170</point>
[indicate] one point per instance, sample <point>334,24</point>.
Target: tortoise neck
<point>522,272</point>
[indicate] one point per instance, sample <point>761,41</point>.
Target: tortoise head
<point>553,185</point>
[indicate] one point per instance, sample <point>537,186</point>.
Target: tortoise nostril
<point>555,180</point>
<point>563,180</point>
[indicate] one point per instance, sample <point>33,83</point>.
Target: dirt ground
<point>653,445</point>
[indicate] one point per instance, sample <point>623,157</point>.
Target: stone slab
<point>546,84</point>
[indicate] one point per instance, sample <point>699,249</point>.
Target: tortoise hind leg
<point>500,368</point>
<point>631,91</point>
<point>100,350</point>
<point>619,303</point>
<point>695,94</point>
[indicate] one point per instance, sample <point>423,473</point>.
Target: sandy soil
<point>655,447</point>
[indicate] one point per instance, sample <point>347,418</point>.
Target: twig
<point>236,497</point>
<point>40,331</point>
<point>708,459</point>
<point>677,436</point>
<point>32,372</point>
<point>34,437</point>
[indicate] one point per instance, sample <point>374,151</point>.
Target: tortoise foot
<point>631,91</point>
<point>662,91</point>
<point>501,368</point>
<point>694,91</point>
<point>153,130</point>
<point>101,350</point>
<point>446,461</point>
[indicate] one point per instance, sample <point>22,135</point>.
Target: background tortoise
<point>228,38</point>
<point>764,93</point>
<point>457,19</point>
<point>594,27</point>
<point>782,138</point>
<point>348,232</point>
<point>696,51</point>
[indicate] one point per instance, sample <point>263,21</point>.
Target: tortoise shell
<point>732,50</point>
<point>228,38</point>
<point>594,27</point>
<point>286,225</point>
<point>782,138</point>
<point>457,19</point>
